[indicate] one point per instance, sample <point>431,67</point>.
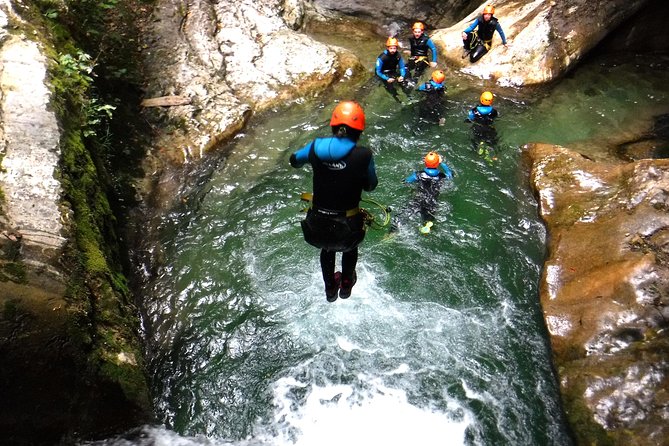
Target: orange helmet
<point>438,76</point>
<point>486,98</point>
<point>391,42</point>
<point>418,25</point>
<point>489,9</point>
<point>349,113</point>
<point>432,160</point>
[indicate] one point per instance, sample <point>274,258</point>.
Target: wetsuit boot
<point>347,286</point>
<point>332,288</point>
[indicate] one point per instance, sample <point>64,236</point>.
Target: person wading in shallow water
<point>431,109</point>
<point>420,44</point>
<point>341,171</point>
<point>477,38</point>
<point>390,67</point>
<point>483,134</point>
<point>430,181</point>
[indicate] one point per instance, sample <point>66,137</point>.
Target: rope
<point>370,220</point>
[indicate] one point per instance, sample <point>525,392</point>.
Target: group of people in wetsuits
<point>342,169</point>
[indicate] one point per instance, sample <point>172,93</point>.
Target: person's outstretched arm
<point>447,170</point>
<point>501,33</point>
<point>433,49</point>
<point>411,178</point>
<point>301,157</point>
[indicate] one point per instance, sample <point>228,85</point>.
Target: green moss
<point>586,430</point>
<point>9,310</point>
<point>13,271</point>
<point>102,320</point>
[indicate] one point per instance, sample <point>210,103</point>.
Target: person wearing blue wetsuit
<point>435,84</point>
<point>484,135</point>
<point>477,43</point>
<point>390,66</point>
<point>430,181</point>
<point>421,45</point>
<point>341,171</point>
<point>432,108</point>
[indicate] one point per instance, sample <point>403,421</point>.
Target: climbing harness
<point>369,217</point>
<point>420,59</point>
<point>474,42</point>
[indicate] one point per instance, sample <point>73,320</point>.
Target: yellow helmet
<point>349,113</point>
<point>418,25</point>
<point>489,9</point>
<point>432,160</point>
<point>486,98</point>
<point>391,42</point>
<point>438,76</point>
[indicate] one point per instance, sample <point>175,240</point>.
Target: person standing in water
<point>432,108</point>
<point>430,180</point>
<point>421,45</point>
<point>390,67</point>
<point>483,133</point>
<point>341,171</point>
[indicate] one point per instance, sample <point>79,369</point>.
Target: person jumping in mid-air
<point>341,171</point>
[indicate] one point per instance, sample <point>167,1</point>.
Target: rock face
<point>31,150</point>
<point>58,377</point>
<point>231,59</point>
<point>383,13</point>
<point>547,38</point>
<point>605,292</point>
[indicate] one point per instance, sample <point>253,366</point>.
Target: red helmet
<point>391,42</point>
<point>432,160</point>
<point>418,25</point>
<point>349,113</point>
<point>438,76</point>
<point>489,9</point>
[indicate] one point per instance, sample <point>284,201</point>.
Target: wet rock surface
<point>605,291</point>
<point>547,38</point>
<point>230,59</point>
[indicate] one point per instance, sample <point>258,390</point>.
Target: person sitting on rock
<point>477,38</point>
<point>420,44</point>
<point>390,66</point>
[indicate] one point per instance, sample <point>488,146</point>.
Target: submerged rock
<point>605,291</point>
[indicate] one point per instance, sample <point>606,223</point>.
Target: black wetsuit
<point>418,61</point>
<point>342,170</point>
<point>484,32</point>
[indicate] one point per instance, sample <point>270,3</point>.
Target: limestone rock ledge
<point>605,291</point>
<point>546,38</point>
<point>229,60</point>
